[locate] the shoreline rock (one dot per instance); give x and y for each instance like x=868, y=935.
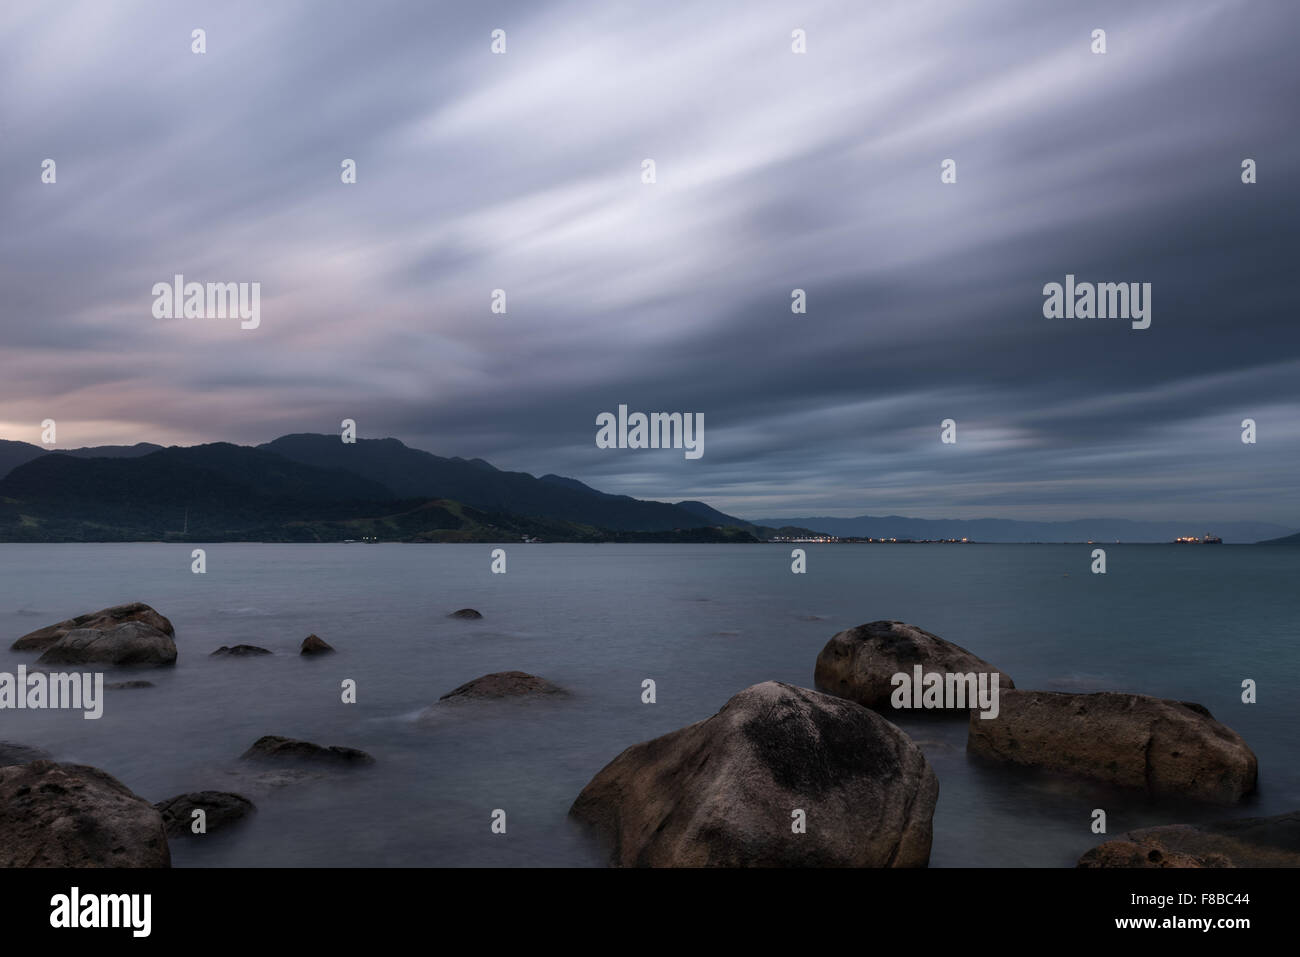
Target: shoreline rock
x=130, y=643
x=275, y=747
x=312, y=645
x=1164, y=747
x=73, y=815
x=221, y=809
x=238, y=651
x=43, y=638
x=1244, y=842
x=725, y=791
x=503, y=684
x=859, y=664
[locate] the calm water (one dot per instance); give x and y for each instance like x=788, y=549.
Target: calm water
x=704, y=621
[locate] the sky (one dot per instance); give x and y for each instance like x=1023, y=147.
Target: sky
x=774, y=171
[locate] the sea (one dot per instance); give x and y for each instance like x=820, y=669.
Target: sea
x=1189, y=622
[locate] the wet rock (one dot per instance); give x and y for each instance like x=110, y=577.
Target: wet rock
x=43, y=638
x=465, y=613
x=1245, y=842
x=274, y=747
x=130, y=643
x=725, y=791
x=860, y=663
x=312, y=645
x=220, y=808
x=238, y=651
x=503, y=684
x=71, y=815
x=1171, y=748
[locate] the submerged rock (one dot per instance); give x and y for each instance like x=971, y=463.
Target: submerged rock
x=12, y=753
x=1164, y=747
x=220, y=808
x=71, y=815
x=274, y=747
x=860, y=663
x=503, y=684
x=731, y=790
x=465, y=613
x=312, y=645
x=238, y=651
x=130, y=643
x=43, y=638
x=130, y=684
x=1245, y=842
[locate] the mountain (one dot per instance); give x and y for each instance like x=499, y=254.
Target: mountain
x=1011, y=530
x=1284, y=540
x=225, y=492
x=14, y=454
x=411, y=473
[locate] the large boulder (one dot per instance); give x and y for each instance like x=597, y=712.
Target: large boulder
x=860, y=663
x=504, y=684
x=71, y=815
x=42, y=638
x=1164, y=747
x=725, y=791
x=1246, y=842
x=273, y=747
x=130, y=643
x=220, y=808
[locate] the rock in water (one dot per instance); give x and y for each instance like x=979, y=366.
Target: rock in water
x=42, y=638
x=860, y=663
x=238, y=651
x=129, y=684
x=311, y=645
x=503, y=684
x=273, y=746
x=1164, y=747
x=11, y=753
x=130, y=643
x=70, y=815
x=465, y=613
x=220, y=809
x=1246, y=842
x=723, y=792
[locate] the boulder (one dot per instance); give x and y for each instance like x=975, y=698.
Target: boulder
x=11, y=753
x=238, y=651
x=312, y=645
x=1170, y=748
x=130, y=643
x=71, y=815
x=43, y=638
x=503, y=684
x=860, y=663
x=725, y=791
x=274, y=747
x=465, y=613
x=1245, y=842
x=221, y=808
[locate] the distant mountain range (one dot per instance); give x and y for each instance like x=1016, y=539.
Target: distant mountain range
x=307, y=487
x=317, y=488
x=1011, y=530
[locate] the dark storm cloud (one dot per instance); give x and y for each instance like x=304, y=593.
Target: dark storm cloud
x=776, y=171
